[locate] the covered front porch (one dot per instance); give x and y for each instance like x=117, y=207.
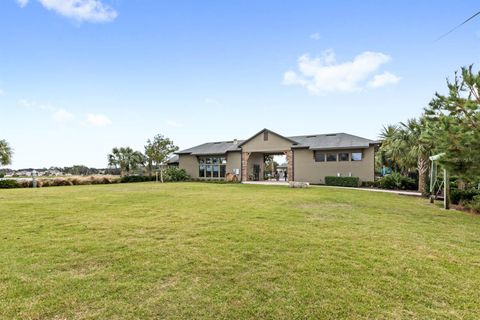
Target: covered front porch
x=260, y=166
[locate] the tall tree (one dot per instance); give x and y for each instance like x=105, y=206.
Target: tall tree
x=5, y=153
x=455, y=124
x=157, y=151
x=126, y=159
x=418, y=148
x=388, y=154
x=406, y=148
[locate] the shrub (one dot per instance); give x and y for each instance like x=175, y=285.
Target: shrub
x=98, y=179
x=128, y=179
x=47, y=182
x=396, y=181
x=8, y=184
x=58, y=182
x=368, y=184
x=458, y=196
x=342, y=181
x=25, y=183
x=474, y=204
x=75, y=181
x=174, y=174
x=105, y=180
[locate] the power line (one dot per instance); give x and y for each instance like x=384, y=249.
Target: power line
x=461, y=24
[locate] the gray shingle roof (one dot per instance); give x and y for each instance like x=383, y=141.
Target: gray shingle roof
x=331, y=141
x=212, y=148
x=174, y=159
x=314, y=142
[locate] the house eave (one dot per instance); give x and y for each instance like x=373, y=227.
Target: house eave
x=341, y=148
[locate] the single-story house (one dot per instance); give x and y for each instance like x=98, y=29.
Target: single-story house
x=310, y=158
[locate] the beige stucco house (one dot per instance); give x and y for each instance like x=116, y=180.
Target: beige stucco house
x=309, y=158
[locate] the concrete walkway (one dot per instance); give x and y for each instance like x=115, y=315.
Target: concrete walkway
x=283, y=183
x=401, y=192
x=267, y=183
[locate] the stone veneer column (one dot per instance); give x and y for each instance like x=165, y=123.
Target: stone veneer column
x=245, y=156
x=289, y=154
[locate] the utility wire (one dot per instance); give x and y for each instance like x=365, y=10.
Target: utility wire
x=461, y=24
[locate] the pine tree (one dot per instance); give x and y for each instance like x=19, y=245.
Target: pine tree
x=455, y=124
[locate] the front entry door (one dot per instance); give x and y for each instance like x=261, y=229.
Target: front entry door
x=256, y=172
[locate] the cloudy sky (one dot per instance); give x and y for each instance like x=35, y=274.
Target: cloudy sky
x=78, y=77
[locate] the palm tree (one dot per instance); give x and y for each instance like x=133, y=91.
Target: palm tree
x=5, y=153
x=406, y=148
x=389, y=153
x=125, y=158
x=418, y=148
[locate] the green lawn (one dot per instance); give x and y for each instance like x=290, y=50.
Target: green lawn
x=192, y=250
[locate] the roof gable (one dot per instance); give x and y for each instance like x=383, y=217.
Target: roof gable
x=269, y=131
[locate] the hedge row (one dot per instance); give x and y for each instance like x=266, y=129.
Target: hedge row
x=169, y=175
x=458, y=196
x=8, y=184
x=56, y=182
x=342, y=181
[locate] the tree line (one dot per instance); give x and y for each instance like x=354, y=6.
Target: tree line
x=122, y=160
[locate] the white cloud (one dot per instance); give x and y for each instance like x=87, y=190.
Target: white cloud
x=315, y=36
x=62, y=115
x=380, y=80
x=2, y=92
x=79, y=10
x=34, y=105
x=98, y=120
x=323, y=74
x=212, y=102
x=22, y=3
x=58, y=115
x=174, y=124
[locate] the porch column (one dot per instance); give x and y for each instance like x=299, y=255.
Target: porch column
x=289, y=155
x=245, y=156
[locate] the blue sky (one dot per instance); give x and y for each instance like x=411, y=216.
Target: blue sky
x=78, y=77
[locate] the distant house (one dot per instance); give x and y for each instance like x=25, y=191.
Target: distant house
x=310, y=158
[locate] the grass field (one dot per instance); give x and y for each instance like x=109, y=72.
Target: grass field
x=192, y=250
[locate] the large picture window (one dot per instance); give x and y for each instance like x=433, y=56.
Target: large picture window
x=356, y=156
x=319, y=156
x=212, y=167
x=331, y=157
x=343, y=156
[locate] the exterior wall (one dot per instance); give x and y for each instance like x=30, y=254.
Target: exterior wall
x=273, y=144
x=234, y=161
x=190, y=164
x=307, y=170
